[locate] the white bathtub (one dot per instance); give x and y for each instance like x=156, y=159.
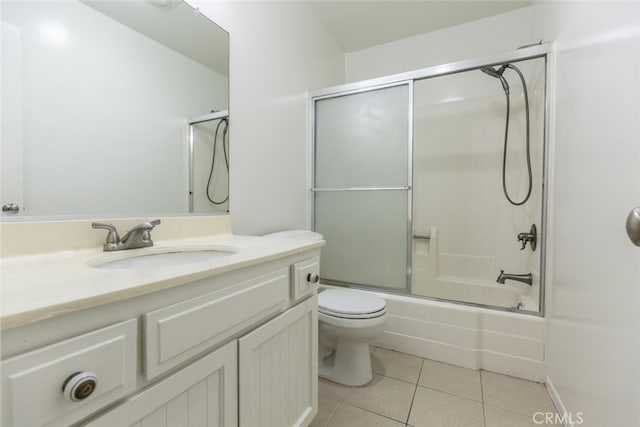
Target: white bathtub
x=474, y=291
x=472, y=337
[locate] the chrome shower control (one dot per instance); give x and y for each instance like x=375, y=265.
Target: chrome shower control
x=531, y=237
x=313, y=278
x=79, y=386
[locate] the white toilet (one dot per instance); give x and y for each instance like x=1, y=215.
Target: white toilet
x=347, y=321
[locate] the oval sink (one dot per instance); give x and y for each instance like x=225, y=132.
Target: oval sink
x=164, y=259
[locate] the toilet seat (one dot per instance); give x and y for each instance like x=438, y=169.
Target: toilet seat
x=347, y=304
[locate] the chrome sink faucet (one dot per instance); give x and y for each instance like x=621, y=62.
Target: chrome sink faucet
x=138, y=237
x=524, y=278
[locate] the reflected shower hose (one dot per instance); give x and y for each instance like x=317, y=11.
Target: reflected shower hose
x=505, y=85
x=213, y=158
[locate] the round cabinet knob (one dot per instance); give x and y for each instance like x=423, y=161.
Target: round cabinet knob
x=313, y=278
x=11, y=208
x=80, y=385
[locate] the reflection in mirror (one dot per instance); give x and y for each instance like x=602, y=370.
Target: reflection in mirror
x=209, y=157
x=96, y=102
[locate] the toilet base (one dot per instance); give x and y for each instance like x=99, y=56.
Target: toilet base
x=348, y=364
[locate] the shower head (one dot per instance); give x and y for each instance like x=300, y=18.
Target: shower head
x=494, y=72
x=497, y=73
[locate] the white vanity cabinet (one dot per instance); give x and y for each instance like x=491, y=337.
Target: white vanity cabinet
x=237, y=349
x=279, y=370
x=201, y=395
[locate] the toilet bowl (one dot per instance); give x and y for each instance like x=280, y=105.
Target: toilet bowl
x=347, y=321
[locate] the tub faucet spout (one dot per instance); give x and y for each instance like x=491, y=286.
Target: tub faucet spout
x=524, y=278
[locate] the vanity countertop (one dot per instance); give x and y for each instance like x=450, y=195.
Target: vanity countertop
x=37, y=287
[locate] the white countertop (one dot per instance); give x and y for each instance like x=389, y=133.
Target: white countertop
x=37, y=287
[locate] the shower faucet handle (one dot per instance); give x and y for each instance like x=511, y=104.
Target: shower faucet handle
x=531, y=237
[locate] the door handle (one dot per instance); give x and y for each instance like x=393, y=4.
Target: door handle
x=11, y=208
x=633, y=226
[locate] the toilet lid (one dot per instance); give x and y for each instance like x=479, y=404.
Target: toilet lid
x=344, y=302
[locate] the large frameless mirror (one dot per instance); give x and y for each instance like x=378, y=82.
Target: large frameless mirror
x=97, y=102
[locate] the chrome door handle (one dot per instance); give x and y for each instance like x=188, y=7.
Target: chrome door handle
x=633, y=226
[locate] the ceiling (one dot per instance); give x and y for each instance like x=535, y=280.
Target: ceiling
x=165, y=21
x=359, y=24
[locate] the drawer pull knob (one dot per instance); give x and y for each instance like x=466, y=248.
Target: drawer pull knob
x=313, y=278
x=80, y=385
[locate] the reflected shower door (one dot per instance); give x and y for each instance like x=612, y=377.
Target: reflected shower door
x=362, y=186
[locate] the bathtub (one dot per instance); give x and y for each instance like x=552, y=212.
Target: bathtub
x=475, y=291
x=471, y=337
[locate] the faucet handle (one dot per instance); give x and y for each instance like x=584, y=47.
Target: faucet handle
x=146, y=235
x=113, y=236
x=522, y=238
x=531, y=237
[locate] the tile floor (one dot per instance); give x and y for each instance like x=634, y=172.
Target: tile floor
x=411, y=391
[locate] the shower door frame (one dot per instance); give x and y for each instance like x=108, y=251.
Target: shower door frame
x=545, y=51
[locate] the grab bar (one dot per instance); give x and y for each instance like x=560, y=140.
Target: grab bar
x=420, y=237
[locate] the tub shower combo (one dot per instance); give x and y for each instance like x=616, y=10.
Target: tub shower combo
x=432, y=183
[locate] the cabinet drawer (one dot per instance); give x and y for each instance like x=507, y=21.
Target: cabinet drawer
x=32, y=383
x=176, y=333
x=305, y=277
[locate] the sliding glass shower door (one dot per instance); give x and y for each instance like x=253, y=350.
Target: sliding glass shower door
x=362, y=185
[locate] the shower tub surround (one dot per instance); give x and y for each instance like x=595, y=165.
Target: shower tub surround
x=467, y=279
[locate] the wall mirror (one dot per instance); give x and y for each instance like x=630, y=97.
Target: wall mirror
x=99, y=100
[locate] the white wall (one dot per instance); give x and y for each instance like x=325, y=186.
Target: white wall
x=593, y=308
x=278, y=52
x=493, y=35
x=104, y=112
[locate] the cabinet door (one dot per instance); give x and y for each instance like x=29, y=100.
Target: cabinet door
x=279, y=370
x=204, y=394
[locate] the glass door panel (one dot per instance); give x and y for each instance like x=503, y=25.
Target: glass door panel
x=366, y=234
x=361, y=139
x=362, y=183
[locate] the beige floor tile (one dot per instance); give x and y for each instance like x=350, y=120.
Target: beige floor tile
x=333, y=390
x=350, y=416
x=385, y=396
x=432, y=408
x=515, y=394
x=451, y=379
x=326, y=407
x=397, y=365
x=496, y=417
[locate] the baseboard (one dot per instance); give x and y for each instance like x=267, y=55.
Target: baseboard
x=557, y=402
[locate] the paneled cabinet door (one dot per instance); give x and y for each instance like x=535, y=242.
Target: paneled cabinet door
x=204, y=394
x=279, y=370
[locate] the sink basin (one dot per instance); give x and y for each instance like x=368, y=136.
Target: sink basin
x=164, y=258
